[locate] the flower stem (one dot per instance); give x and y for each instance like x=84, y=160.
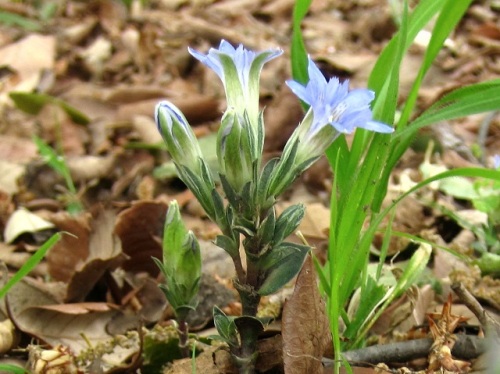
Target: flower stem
x=183, y=331
x=245, y=356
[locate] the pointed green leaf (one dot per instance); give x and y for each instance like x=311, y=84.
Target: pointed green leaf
x=33, y=103
x=282, y=264
x=225, y=327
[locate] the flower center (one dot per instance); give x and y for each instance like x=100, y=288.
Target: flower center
x=337, y=112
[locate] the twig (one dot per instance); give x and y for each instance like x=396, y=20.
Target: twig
x=489, y=325
x=466, y=347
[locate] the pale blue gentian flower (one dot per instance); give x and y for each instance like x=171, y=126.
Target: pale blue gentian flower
x=241, y=135
x=239, y=69
x=333, y=104
x=333, y=110
x=496, y=162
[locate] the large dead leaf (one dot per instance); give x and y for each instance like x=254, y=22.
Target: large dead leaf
x=83, y=261
x=304, y=325
x=36, y=313
x=140, y=229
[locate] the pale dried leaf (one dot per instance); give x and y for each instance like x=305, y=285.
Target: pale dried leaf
x=28, y=65
x=18, y=150
x=304, y=325
x=23, y=221
x=9, y=175
x=85, y=168
x=8, y=336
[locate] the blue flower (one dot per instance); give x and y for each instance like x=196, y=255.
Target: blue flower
x=496, y=161
x=332, y=103
x=239, y=69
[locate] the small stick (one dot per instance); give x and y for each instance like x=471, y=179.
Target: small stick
x=487, y=322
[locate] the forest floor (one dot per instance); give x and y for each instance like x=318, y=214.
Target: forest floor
x=93, y=71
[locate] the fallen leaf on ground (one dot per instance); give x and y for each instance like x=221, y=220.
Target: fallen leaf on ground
x=304, y=325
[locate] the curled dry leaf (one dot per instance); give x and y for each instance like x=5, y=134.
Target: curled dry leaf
x=304, y=325
x=140, y=229
x=82, y=261
x=37, y=314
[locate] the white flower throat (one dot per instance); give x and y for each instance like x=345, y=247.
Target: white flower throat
x=337, y=112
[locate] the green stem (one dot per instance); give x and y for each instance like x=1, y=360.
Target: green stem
x=183, y=331
x=245, y=356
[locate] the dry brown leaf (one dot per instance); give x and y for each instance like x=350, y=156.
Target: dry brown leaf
x=37, y=314
x=83, y=261
x=23, y=221
x=304, y=325
x=196, y=108
x=71, y=249
x=140, y=229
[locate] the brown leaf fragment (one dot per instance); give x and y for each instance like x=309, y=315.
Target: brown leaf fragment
x=304, y=325
x=140, y=229
x=82, y=261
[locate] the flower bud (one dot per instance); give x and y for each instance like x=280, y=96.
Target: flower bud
x=181, y=261
x=178, y=135
x=236, y=149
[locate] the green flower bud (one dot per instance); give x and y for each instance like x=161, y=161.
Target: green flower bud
x=181, y=261
x=236, y=149
x=178, y=135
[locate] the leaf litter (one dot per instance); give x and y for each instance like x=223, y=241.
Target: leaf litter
x=112, y=65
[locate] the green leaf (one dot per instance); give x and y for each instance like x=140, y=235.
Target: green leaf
x=368, y=299
x=227, y=244
x=282, y=263
x=11, y=19
x=298, y=50
x=489, y=263
x=33, y=103
x=465, y=101
x=266, y=230
x=288, y=221
x=225, y=327
x=12, y=369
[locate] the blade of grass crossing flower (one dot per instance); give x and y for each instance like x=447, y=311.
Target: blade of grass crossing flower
x=384, y=109
x=298, y=50
x=451, y=13
x=333, y=302
x=386, y=95
x=30, y=264
x=420, y=16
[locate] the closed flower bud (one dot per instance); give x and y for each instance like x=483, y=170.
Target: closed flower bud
x=178, y=135
x=181, y=261
x=236, y=149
